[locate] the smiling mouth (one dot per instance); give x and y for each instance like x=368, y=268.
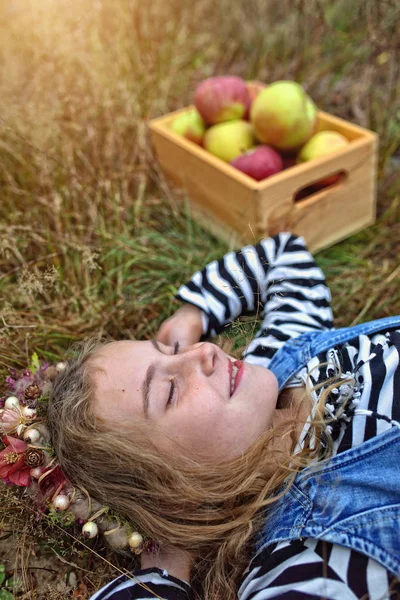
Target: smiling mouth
x=235, y=367
x=233, y=377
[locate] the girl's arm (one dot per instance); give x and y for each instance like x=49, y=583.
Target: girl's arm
x=277, y=279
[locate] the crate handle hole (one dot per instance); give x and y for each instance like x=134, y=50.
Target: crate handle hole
x=310, y=190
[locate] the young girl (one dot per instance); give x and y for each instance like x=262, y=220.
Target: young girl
x=274, y=476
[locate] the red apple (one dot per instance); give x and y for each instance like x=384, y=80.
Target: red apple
x=254, y=88
x=322, y=143
x=230, y=139
x=283, y=115
x=220, y=99
x=259, y=162
x=190, y=125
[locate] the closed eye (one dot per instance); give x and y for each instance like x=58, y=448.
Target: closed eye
x=173, y=385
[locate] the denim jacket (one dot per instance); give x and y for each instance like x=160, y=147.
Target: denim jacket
x=352, y=499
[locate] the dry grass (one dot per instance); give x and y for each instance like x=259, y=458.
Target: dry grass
x=87, y=222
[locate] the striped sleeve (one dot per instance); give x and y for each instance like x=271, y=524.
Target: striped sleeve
x=315, y=569
x=277, y=280
x=143, y=585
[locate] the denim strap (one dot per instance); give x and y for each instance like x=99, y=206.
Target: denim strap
x=352, y=499
x=298, y=351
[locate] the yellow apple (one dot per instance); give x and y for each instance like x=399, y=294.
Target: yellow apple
x=230, y=139
x=321, y=144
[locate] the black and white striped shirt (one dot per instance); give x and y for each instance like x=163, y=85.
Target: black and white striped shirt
x=279, y=281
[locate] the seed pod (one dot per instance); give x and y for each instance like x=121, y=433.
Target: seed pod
x=28, y=413
x=34, y=457
x=31, y=436
x=32, y=392
x=135, y=540
x=44, y=433
x=12, y=402
x=82, y=508
x=90, y=530
x=36, y=472
x=117, y=538
x=61, y=502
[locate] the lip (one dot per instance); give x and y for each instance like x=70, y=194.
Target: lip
x=240, y=366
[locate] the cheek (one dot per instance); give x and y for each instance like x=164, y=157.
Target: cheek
x=203, y=414
x=265, y=382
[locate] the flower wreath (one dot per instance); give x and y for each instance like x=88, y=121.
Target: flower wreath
x=29, y=461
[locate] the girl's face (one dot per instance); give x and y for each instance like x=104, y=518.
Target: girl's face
x=213, y=406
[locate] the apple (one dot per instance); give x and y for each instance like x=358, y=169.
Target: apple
x=190, y=125
x=259, y=162
x=283, y=115
x=220, y=99
x=254, y=88
x=230, y=139
x=322, y=143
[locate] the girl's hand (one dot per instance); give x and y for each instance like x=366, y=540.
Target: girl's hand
x=184, y=326
x=177, y=562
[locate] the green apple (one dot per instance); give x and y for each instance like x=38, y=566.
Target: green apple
x=190, y=125
x=322, y=143
x=229, y=139
x=283, y=115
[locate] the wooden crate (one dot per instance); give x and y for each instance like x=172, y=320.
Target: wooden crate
x=241, y=210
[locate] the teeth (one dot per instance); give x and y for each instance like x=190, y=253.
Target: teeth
x=233, y=377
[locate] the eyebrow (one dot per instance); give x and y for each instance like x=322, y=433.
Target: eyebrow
x=146, y=386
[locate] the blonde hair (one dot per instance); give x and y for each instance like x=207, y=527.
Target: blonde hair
x=210, y=510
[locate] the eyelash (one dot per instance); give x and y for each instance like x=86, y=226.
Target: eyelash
x=172, y=390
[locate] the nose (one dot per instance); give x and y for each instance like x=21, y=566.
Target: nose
x=203, y=354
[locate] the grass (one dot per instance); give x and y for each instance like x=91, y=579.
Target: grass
x=91, y=235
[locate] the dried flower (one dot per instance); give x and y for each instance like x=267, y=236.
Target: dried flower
x=34, y=457
x=151, y=547
x=9, y=420
x=22, y=381
x=14, y=420
x=53, y=481
x=12, y=463
x=11, y=383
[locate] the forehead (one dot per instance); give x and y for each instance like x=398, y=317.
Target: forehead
x=122, y=359
x=118, y=349
x=119, y=371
